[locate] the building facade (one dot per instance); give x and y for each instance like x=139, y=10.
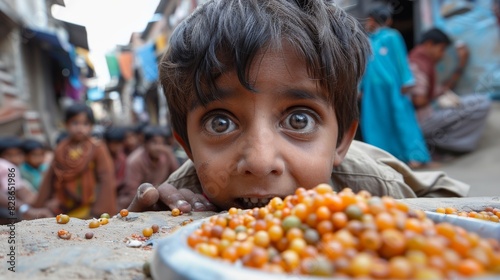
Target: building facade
x=39, y=71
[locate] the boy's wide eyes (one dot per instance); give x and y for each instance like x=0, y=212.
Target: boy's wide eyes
x=300, y=121
x=296, y=121
x=219, y=124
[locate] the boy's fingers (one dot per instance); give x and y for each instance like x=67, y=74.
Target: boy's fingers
x=145, y=198
x=198, y=202
x=173, y=198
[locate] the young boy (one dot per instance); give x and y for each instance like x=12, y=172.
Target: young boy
x=151, y=163
x=114, y=137
x=262, y=96
x=80, y=180
x=33, y=167
x=133, y=139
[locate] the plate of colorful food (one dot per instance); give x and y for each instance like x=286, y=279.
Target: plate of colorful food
x=320, y=233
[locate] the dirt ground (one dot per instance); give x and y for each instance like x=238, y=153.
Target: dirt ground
x=41, y=254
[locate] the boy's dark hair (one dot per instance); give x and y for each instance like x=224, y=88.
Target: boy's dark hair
x=115, y=133
x=152, y=131
x=10, y=142
x=30, y=145
x=225, y=35
x=380, y=13
x=79, y=108
x=435, y=36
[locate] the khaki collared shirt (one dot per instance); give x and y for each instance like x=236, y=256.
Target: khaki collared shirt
x=365, y=167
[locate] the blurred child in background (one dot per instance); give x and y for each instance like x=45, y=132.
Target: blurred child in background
x=114, y=137
x=34, y=165
x=133, y=139
x=12, y=185
x=153, y=162
x=80, y=180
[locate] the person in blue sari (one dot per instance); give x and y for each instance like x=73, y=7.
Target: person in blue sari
x=388, y=118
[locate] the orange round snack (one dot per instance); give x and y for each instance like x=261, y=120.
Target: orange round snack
x=323, y=233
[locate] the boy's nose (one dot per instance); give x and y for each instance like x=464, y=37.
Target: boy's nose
x=260, y=154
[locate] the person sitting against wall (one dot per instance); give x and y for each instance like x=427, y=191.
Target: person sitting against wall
x=449, y=123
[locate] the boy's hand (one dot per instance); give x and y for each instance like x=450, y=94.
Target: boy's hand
x=166, y=196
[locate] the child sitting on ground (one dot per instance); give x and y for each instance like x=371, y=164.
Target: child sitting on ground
x=153, y=162
x=33, y=167
x=262, y=96
x=15, y=197
x=115, y=137
x=80, y=180
x=133, y=139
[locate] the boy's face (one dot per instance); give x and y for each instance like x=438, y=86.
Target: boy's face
x=249, y=147
x=114, y=147
x=36, y=157
x=79, y=127
x=154, y=146
x=131, y=140
x=13, y=155
x=437, y=51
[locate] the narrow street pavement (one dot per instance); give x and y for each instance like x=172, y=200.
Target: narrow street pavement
x=481, y=168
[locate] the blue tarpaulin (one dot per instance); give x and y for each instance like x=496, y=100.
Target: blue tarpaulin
x=146, y=58
x=59, y=49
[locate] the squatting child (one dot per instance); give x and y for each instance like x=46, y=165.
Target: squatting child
x=262, y=96
x=80, y=180
x=153, y=162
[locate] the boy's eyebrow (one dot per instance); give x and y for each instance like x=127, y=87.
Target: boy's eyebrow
x=216, y=95
x=298, y=94
x=295, y=94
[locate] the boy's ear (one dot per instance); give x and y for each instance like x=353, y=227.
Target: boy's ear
x=344, y=144
x=183, y=144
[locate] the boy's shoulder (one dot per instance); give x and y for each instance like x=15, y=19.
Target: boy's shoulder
x=185, y=177
x=367, y=167
x=362, y=158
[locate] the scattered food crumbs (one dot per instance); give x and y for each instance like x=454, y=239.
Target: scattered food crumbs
x=176, y=212
x=64, y=234
x=124, y=212
x=186, y=222
x=147, y=232
x=94, y=223
x=62, y=219
x=155, y=228
x=105, y=215
x=134, y=243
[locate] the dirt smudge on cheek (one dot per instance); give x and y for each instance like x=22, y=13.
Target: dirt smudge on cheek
x=214, y=183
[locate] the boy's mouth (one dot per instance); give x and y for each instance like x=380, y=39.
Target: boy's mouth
x=252, y=202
